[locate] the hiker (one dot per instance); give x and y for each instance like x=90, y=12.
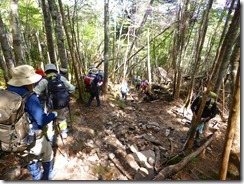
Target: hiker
x=144, y=85
x=95, y=86
x=43, y=86
x=137, y=82
x=23, y=80
x=124, y=90
x=209, y=112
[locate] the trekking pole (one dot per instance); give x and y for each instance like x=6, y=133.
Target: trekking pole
x=57, y=129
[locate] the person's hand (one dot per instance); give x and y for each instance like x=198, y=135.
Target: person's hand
x=99, y=84
x=55, y=113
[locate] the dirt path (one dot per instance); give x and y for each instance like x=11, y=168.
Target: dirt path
x=119, y=128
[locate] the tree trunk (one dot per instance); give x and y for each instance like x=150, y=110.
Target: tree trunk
x=148, y=62
x=5, y=46
x=59, y=33
x=183, y=29
x=226, y=57
x=4, y=68
x=210, y=85
x=234, y=120
x=138, y=31
x=200, y=41
x=48, y=29
x=71, y=51
x=17, y=40
x=172, y=169
x=106, y=43
x=39, y=46
x=233, y=124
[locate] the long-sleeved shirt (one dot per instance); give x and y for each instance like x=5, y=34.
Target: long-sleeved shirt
x=41, y=87
x=37, y=116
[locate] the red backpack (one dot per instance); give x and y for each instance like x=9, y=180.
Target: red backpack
x=88, y=81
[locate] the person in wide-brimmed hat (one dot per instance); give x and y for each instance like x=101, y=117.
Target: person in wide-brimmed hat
x=23, y=80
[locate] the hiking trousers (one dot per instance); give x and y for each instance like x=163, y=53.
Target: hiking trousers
x=92, y=96
x=61, y=121
x=42, y=150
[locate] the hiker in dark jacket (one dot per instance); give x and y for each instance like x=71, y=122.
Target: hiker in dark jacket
x=209, y=112
x=42, y=87
x=23, y=80
x=95, y=87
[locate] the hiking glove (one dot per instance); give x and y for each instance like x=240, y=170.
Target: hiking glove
x=99, y=84
x=55, y=113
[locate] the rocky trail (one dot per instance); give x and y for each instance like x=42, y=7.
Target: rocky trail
x=132, y=140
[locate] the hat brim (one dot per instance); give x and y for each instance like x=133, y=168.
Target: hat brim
x=24, y=81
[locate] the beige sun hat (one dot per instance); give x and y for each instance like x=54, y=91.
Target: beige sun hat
x=23, y=75
x=50, y=67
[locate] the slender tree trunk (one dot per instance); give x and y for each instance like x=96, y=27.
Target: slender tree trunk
x=5, y=46
x=39, y=46
x=62, y=55
x=226, y=57
x=4, y=68
x=200, y=41
x=235, y=64
x=233, y=121
x=225, y=28
x=149, y=61
x=71, y=51
x=48, y=29
x=17, y=40
x=106, y=43
x=139, y=30
x=183, y=28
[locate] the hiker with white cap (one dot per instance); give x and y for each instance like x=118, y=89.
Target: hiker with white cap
x=23, y=80
x=43, y=86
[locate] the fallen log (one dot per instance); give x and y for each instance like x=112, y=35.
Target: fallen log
x=172, y=169
x=119, y=166
x=157, y=159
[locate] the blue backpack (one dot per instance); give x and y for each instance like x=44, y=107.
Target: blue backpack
x=58, y=95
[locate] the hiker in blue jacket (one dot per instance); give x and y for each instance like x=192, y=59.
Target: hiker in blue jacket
x=23, y=80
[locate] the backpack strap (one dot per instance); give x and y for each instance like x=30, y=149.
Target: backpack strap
x=27, y=95
x=58, y=76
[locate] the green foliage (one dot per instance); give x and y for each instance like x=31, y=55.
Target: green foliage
x=30, y=14
x=34, y=53
x=104, y=172
x=195, y=160
x=120, y=103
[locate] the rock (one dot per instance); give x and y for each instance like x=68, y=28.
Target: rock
x=134, y=148
x=142, y=157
